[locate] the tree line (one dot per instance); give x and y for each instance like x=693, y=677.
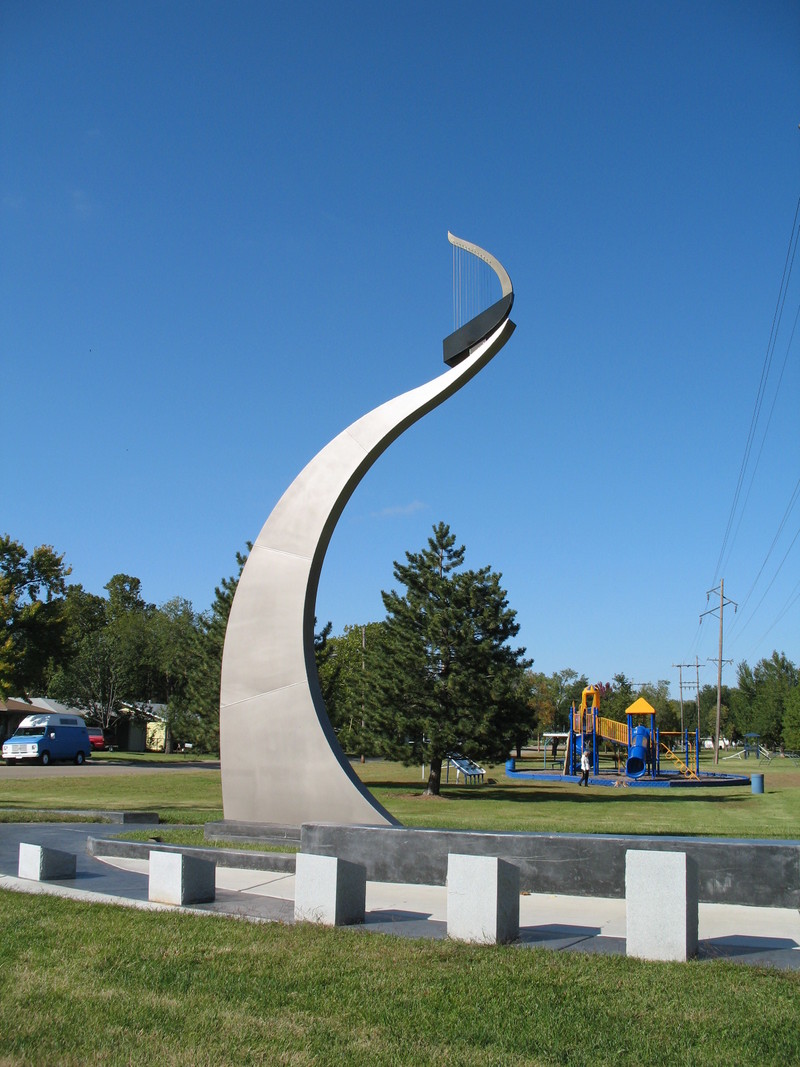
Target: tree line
x=115, y=656
x=438, y=674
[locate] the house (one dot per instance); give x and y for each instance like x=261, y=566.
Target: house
x=134, y=728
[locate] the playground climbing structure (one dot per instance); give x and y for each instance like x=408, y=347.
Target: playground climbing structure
x=638, y=738
x=638, y=747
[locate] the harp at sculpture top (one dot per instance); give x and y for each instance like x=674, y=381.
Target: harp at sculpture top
x=458, y=345
x=281, y=760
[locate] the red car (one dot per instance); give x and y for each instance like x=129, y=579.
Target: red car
x=96, y=738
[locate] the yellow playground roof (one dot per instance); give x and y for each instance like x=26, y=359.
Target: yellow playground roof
x=640, y=707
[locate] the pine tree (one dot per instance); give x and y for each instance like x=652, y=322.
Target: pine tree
x=201, y=715
x=441, y=675
x=196, y=714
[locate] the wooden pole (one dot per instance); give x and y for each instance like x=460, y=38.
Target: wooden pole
x=719, y=669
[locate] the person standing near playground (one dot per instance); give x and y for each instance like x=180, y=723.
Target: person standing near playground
x=584, y=768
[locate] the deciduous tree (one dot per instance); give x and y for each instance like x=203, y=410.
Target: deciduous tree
x=763, y=691
x=791, y=721
x=113, y=663
x=84, y=677
x=32, y=625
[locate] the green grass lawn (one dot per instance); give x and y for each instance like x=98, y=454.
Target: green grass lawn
x=185, y=796
x=195, y=796
x=194, y=836
x=83, y=983
x=532, y=805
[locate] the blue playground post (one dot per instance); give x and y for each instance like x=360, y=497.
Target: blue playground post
x=655, y=752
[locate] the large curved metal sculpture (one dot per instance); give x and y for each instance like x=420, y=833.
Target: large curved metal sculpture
x=281, y=762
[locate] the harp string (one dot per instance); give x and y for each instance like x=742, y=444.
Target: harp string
x=475, y=286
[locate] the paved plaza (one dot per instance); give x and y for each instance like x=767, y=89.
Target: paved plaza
x=763, y=936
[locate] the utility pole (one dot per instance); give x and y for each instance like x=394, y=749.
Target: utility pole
x=363, y=693
x=711, y=611
x=680, y=667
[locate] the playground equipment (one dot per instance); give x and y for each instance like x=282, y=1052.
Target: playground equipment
x=473, y=773
x=639, y=755
x=638, y=747
x=638, y=737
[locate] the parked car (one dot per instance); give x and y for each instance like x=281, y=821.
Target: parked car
x=97, y=738
x=49, y=737
x=708, y=742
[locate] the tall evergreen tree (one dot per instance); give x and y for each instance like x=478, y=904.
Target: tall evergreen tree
x=196, y=714
x=341, y=664
x=200, y=719
x=441, y=674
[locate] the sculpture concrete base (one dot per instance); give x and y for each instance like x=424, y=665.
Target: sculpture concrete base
x=329, y=891
x=661, y=904
x=179, y=879
x=41, y=864
x=763, y=874
x=482, y=899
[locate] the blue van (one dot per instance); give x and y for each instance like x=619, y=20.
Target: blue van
x=47, y=737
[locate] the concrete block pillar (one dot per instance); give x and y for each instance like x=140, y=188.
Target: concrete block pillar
x=329, y=890
x=661, y=898
x=42, y=864
x=179, y=879
x=482, y=899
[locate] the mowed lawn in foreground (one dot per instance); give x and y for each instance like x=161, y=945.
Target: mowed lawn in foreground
x=86, y=983
x=195, y=796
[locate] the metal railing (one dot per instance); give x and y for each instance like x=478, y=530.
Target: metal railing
x=611, y=730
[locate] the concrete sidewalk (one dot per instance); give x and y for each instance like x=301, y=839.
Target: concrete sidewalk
x=764, y=936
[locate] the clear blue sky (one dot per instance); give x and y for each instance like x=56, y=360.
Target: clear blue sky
x=224, y=239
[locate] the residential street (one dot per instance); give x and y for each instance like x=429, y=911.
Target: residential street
x=99, y=768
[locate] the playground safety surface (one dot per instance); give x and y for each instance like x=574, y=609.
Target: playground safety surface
x=665, y=779
x=763, y=936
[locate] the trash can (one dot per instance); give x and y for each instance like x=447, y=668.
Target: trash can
x=757, y=783
x=511, y=766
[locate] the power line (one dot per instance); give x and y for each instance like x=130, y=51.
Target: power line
x=772, y=581
x=794, y=596
x=765, y=433
x=776, y=318
x=789, y=507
